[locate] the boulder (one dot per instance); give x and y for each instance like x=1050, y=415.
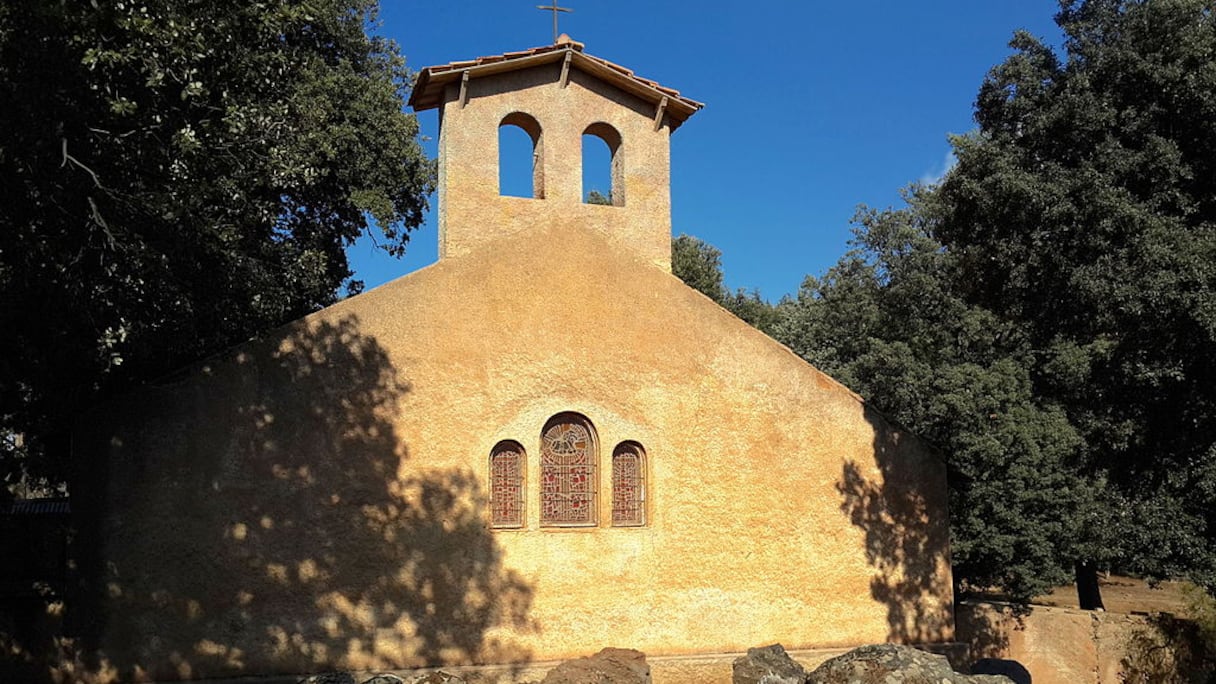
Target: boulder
x=436, y=677
x=609, y=666
x=385, y=678
x=892, y=664
x=767, y=665
x=329, y=678
x=1010, y=668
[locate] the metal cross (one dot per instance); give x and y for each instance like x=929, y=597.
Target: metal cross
x=554, y=9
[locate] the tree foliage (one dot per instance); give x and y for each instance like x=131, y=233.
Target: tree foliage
x=699, y=265
x=1083, y=211
x=178, y=177
x=888, y=322
x=1046, y=316
x=597, y=197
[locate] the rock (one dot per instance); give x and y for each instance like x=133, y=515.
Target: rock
x=1000, y=666
x=388, y=678
x=892, y=664
x=767, y=665
x=609, y=666
x=436, y=677
x=329, y=678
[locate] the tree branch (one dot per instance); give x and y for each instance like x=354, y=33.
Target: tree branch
x=69, y=158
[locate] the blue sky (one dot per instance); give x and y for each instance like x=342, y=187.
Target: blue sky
x=812, y=108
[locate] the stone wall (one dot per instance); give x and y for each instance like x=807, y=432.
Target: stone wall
x=1068, y=646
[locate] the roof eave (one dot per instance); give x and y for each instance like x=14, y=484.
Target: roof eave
x=679, y=108
x=429, y=89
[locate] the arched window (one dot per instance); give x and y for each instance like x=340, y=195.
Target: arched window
x=603, y=166
x=507, y=463
x=520, y=157
x=567, y=472
x=628, y=485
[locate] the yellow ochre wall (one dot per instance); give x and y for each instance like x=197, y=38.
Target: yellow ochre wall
x=471, y=211
x=318, y=500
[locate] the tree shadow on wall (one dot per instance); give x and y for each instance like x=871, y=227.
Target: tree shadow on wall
x=1167, y=650
x=260, y=515
x=904, y=514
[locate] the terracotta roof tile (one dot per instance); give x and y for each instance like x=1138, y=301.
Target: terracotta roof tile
x=491, y=59
x=49, y=506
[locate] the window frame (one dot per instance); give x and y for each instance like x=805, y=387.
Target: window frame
x=521, y=500
x=632, y=449
x=591, y=476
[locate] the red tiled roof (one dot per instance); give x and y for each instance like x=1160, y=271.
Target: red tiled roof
x=50, y=506
x=429, y=87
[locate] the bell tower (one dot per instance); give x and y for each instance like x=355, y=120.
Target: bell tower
x=556, y=94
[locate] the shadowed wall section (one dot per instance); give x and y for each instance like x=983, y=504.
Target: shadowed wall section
x=1050, y=645
x=262, y=515
x=319, y=500
x=900, y=502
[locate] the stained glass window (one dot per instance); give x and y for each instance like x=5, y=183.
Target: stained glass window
x=507, y=485
x=567, y=472
x=628, y=485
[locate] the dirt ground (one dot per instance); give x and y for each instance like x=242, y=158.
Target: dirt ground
x=1127, y=595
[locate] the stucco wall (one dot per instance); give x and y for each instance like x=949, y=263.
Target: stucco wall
x=317, y=500
x=471, y=211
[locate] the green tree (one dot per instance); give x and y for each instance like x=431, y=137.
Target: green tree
x=178, y=177
x=1083, y=212
x=887, y=322
x=699, y=265
x=1047, y=315
x=597, y=197
x=754, y=309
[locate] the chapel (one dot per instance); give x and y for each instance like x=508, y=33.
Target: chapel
x=539, y=446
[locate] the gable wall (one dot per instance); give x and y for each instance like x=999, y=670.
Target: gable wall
x=319, y=500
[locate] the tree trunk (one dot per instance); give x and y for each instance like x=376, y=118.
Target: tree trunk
x=1089, y=594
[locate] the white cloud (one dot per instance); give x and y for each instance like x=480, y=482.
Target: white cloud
x=935, y=175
